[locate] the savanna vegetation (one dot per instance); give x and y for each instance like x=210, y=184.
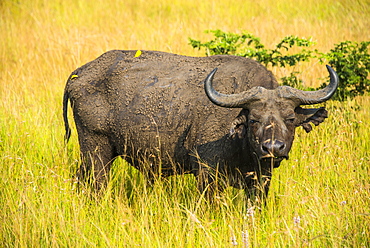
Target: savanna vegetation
x=320, y=197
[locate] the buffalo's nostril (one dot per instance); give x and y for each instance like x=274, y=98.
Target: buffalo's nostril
x=281, y=146
x=266, y=148
x=274, y=148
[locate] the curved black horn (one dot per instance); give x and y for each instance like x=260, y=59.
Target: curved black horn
x=230, y=101
x=301, y=97
x=311, y=97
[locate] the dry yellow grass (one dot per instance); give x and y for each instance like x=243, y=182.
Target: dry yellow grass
x=319, y=198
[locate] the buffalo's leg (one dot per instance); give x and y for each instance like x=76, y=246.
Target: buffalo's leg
x=205, y=183
x=209, y=181
x=97, y=154
x=257, y=185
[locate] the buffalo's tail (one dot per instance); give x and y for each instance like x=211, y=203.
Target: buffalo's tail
x=65, y=116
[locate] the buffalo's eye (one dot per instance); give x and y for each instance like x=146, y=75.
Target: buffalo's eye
x=253, y=121
x=290, y=120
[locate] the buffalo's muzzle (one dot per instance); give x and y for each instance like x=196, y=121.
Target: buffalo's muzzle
x=273, y=149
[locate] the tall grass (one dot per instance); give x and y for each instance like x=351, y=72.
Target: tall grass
x=318, y=198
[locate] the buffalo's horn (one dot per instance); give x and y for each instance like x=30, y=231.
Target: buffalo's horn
x=311, y=97
x=299, y=96
x=233, y=100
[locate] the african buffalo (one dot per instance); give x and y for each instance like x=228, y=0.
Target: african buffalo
x=165, y=115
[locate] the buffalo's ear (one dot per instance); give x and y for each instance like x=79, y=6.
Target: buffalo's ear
x=239, y=125
x=304, y=117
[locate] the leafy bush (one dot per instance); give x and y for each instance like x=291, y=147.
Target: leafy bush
x=350, y=59
x=248, y=45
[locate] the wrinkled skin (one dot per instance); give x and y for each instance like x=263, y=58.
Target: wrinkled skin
x=152, y=110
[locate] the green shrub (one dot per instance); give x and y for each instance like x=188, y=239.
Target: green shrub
x=248, y=45
x=351, y=61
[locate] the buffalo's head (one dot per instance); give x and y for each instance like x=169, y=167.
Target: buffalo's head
x=269, y=117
